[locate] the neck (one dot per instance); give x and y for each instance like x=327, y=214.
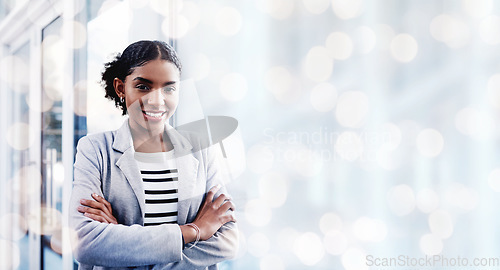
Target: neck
x=150, y=141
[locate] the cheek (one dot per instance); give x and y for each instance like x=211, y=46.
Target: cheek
x=172, y=101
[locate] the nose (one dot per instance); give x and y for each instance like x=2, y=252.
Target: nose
x=156, y=98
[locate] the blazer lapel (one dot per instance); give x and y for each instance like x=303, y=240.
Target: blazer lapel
x=187, y=171
x=187, y=167
x=127, y=164
x=129, y=167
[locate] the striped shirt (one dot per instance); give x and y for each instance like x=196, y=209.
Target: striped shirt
x=159, y=179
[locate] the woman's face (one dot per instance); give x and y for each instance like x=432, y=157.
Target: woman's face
x=151, y=95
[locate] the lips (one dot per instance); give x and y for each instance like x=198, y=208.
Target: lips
x=154, y=115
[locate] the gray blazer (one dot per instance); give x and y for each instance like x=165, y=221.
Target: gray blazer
x=105, y=165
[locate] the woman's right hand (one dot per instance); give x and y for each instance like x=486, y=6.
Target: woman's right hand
x=212, y=215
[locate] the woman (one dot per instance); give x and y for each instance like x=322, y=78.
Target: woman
x=141, y=196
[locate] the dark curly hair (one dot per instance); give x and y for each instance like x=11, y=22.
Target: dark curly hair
x=135, y=55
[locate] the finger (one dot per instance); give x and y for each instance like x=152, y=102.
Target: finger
x=226, y=206
x=93, y=204
x=96, y=218
x=220, y=200
x=103, y=201
x=211, y=193
x=96, y=212
x=227, y=218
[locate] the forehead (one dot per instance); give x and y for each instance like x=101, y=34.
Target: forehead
x=157, y=70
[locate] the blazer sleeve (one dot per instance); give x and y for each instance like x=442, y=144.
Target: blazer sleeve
x=113, y=245
x=223, y=245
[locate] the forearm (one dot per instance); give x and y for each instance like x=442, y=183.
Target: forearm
x=112, y=245
x=222, y=246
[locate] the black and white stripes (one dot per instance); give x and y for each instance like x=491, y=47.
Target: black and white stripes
x=159, y=177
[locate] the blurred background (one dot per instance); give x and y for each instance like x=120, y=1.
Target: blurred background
x=367, y=129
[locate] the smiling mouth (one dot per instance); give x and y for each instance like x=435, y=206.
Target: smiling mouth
x=154, y=114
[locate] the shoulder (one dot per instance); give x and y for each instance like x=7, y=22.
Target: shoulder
x=96, y=140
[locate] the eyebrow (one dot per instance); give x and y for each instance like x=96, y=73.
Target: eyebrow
x=151, y=82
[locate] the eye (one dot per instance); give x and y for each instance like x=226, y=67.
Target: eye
x=142, y=87
x=169, y=89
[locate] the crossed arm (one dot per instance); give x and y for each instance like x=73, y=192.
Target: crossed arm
x=211, y=216
x=102, y=241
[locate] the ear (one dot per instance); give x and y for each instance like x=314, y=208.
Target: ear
x=119, y=87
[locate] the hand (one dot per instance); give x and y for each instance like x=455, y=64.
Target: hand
x=98, y=210
x=213, y=213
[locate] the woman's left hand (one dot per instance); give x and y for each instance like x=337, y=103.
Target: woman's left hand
x=98, y=210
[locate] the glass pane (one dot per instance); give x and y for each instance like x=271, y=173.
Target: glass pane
x=52, y=168
x=18, y=166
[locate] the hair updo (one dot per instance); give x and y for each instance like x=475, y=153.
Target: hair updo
x=135, y=55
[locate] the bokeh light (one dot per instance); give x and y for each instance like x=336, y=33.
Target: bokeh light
x=365, y=39
x=177, y=29
x=450, y=30
x=277, y=9
x=391, y=135
x=347, y=9
x=308, y=247
x=384, y=34
x=47, y=221
x=13, y=227
x=494, y=179
x=370, y=230
x=79, y=96
x=53, y=65
x=401, y=199
x=10, y=255
x=335, y=242
x=137, y=4
x=273, y=188
x=354, y=259
x=258, y=244
x=191, y=11
x=286, y=238
x=228, y=21
x=199, y=66
x=272, y=262
x=441, y=223
x=318, y=64
x=461, y=197
x=258, y=212
x=13, y=71
x=427, y=200
x=79, y=32
x=430, y=142
x=387, y=158
x=20, y=136
x=323, y=97
x=404, y=48
x=281, y=83
x=477, y=124
x=303, y=161
x=494, y=90
x=477, y=9
x=316, y=6
x=352, y=109
x=166, y=8
x=349, y=146
x=431, y=244
x=330, y=222
x=339, y=44
x=233, y=87
x=260, y=158
x=489, y=30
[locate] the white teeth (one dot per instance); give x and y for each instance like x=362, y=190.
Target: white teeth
x=153, y=114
